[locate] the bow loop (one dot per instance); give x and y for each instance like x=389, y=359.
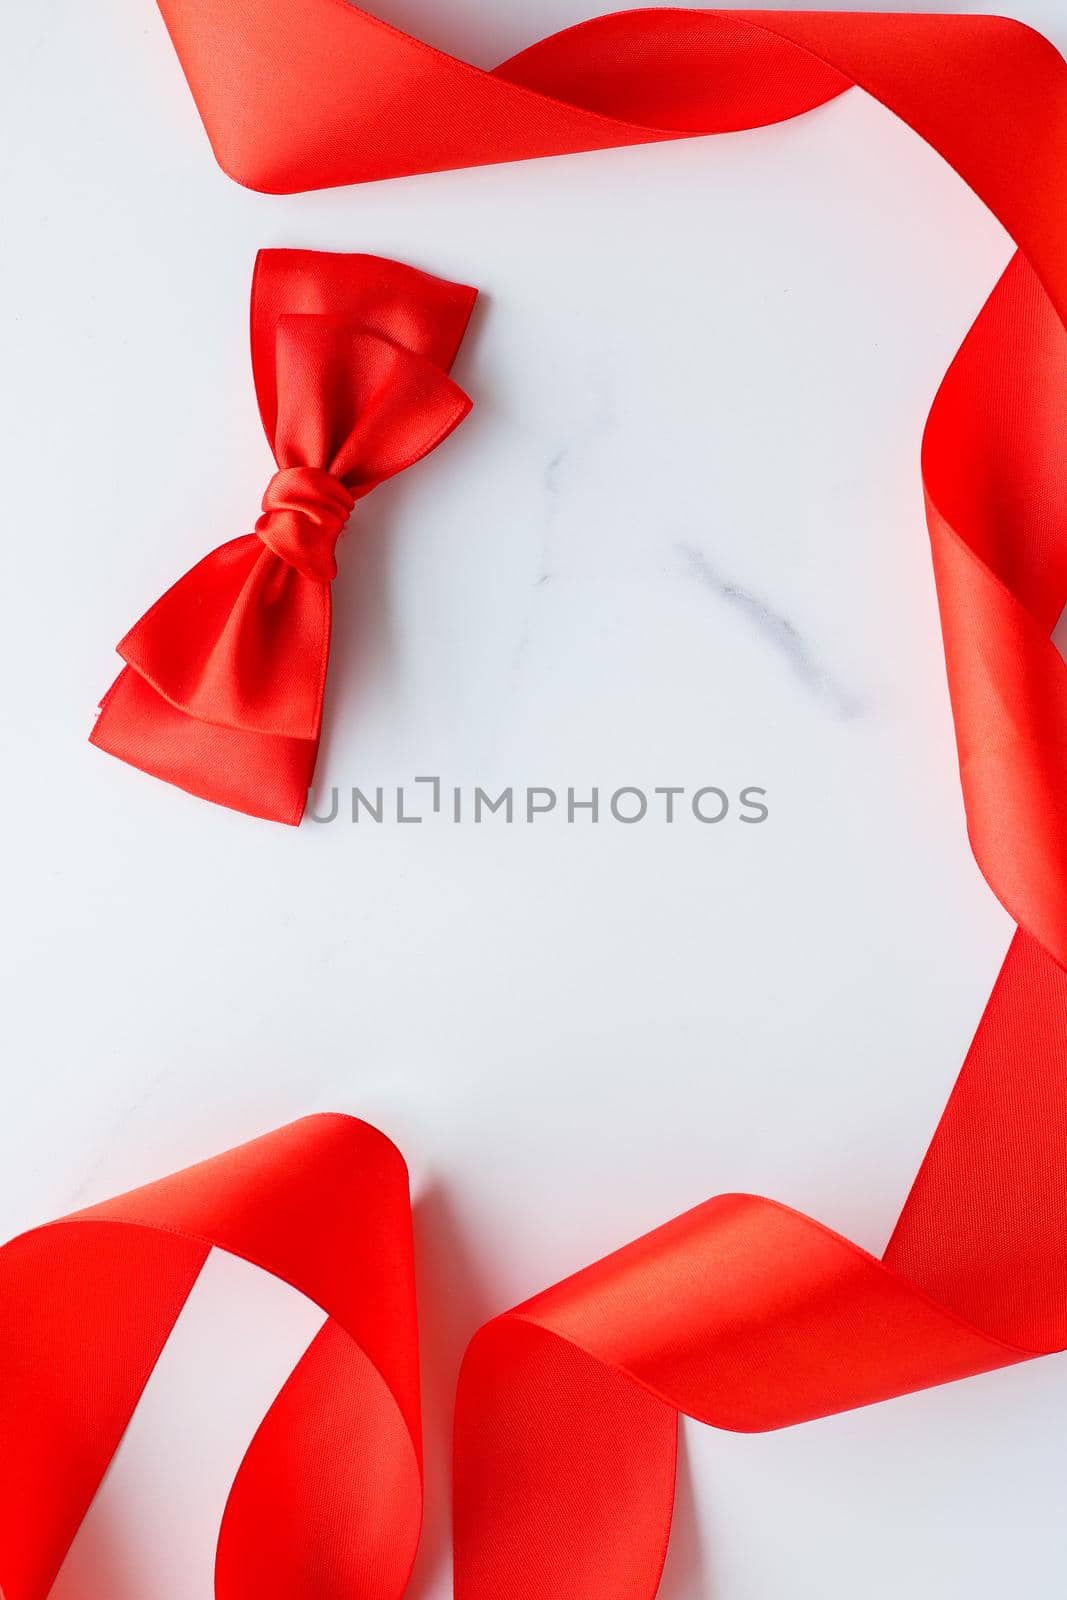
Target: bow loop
x=304, y=514
x=356, y=404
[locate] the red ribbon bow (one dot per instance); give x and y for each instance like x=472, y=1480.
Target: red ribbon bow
x=223, y=688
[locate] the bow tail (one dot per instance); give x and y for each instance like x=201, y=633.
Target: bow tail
x=262, y=774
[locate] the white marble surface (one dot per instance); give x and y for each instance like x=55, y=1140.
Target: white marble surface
x=680, y=541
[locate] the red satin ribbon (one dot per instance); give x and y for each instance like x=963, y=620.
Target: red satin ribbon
x=741, y=1312
x=223, y=687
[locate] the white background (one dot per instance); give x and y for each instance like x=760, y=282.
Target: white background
x=680, y=540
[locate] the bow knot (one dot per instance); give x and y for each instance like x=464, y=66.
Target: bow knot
x=305, y=510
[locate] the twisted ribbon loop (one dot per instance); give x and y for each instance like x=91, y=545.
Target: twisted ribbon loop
x=87, y=1304
x=304, y=514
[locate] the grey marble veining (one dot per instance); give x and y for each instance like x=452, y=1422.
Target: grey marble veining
x=779, y=631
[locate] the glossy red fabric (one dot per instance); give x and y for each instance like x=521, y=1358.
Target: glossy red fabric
x=742, y=1312
x=223, y=687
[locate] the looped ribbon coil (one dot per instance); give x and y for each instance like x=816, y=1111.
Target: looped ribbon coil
x=742, y=1313
x=223, y=688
